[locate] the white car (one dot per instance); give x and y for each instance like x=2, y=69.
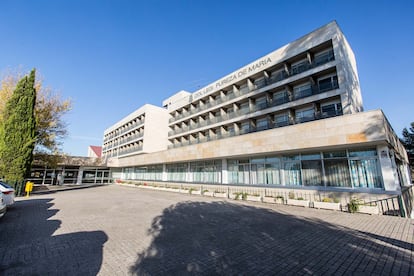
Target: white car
x=8, y=193
x=3, y=206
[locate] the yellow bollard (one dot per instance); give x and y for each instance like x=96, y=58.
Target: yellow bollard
x=28, y=188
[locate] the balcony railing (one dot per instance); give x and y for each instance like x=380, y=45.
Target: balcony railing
x=320, y=60
x=312, y=90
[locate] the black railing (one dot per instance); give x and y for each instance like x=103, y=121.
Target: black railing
x=281, y=75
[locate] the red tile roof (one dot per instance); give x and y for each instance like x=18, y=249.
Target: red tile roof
x=97, y=150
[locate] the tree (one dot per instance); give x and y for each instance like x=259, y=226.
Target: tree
x=18, y=130
x=408, y=141
x=49, y=112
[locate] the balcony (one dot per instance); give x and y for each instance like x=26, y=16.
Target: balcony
x=319, y=60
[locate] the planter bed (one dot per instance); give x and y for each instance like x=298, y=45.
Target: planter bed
x=254, y=198
x=372, y=210
x=297, y=202
x=327, y=205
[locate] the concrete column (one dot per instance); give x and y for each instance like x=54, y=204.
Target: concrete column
x=80, y=175
x=224, y=175
x=164, y=172
x=188, y=175
x=388, y=169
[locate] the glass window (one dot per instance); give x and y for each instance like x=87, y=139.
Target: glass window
x=206, y=172
x=291, y=157
x=261, y=103
x=300, y=67
x=273, y=174
x=176, y=172
x=257, y=161
x=257, y=174
x=280, y=97
x=312, y=173
x=328, y=83
x=245, y=127
x=331, y=109
x=312, y=156
x=365, y=173
x=363, y=153
x=323, y=57
x=337, y=173
x=305, y=115
x=261, y=124
x=281, y=120
x=244, y=174
x=292, y=173
x=302, y=91
x=334, y=154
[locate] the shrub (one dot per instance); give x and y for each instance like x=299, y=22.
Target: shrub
x=353, y=205
x=291, y=195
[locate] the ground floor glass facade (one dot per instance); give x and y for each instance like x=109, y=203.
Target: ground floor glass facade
x=346, y=168
x=356, y=168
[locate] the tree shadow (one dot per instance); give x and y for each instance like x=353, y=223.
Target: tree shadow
x=229, y=239
x=28, y=246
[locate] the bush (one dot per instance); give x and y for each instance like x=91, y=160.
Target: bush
x=353, y=205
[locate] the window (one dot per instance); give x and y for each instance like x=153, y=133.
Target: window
x=281, y=120
x=261, y=124
x=312, y=170
x=305, y=115
x=245, y=127
x=244, y=88
x=230, y=130
x=277, y=75
x=364, y=167
x=302, y=91
x=206, y=172
x=176, y=172
x=244, y=108
x=261, y=103
x=337, y=173
x=331, y=109
x=300, y=67
x=280, y=97
x=291, y=169
x=259, y=83
x=323, y=57
x=328, y=83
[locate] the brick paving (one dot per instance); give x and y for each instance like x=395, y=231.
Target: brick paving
x=115, y=230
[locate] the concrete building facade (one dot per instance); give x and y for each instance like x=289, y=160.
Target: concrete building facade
x=291, y=119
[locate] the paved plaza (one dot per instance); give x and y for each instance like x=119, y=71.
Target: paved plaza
x=116, y=230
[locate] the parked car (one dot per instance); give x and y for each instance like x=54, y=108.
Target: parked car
x=8, y=193
x=3, y=206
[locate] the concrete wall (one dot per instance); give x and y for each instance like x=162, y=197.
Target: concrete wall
x=358, y=129
x=155, y=129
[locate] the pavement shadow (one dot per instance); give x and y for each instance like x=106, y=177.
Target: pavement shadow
x=28, y=246
x=222, y=238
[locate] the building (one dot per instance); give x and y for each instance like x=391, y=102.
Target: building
x=292, y=119
x=62, y=170
x=143, y=131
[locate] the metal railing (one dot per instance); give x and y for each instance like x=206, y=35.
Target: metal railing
x=329, y=56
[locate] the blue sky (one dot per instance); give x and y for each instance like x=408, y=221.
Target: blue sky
x=111, y=57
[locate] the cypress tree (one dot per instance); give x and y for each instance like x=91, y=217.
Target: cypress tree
x=17, y=131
